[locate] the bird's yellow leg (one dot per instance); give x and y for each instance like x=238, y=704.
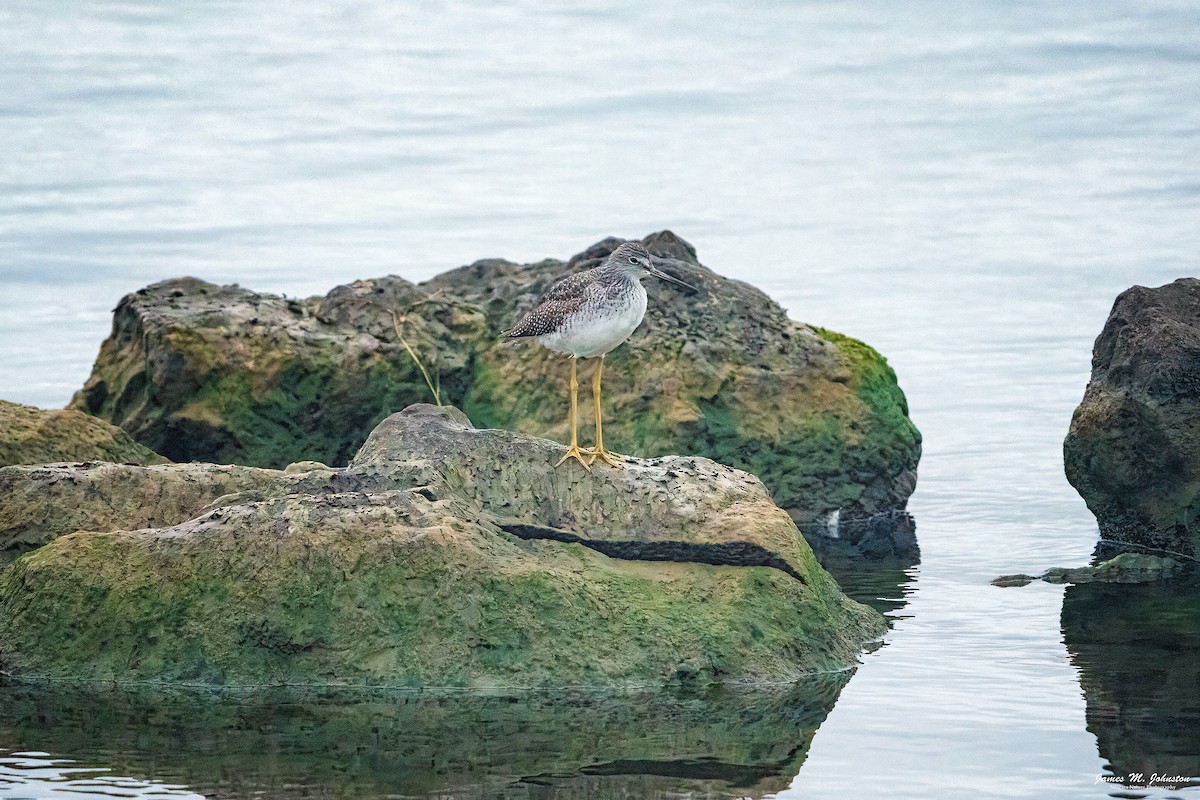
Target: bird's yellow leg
x=598, y=452
x=573, y=451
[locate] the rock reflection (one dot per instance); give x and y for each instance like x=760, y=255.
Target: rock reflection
x=1137, y=649
x=884, y=586
x=721, y=743
x=888, y=537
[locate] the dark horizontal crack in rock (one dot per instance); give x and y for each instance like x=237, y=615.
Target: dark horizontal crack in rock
x=726, y=554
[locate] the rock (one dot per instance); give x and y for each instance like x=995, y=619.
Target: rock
x=722, y=373
x=44, y=502
x=305, y=467
x=204, y=372
x=31, y=435
x=220, y=373
x=1018, y=579
x=1125, y=568
x=442, y=556
x=1133, y=450
x=684, y=501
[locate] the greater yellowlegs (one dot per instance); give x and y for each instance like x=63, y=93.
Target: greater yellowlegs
x=588, y=314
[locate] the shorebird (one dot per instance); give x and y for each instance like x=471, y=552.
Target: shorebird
x=587, y=315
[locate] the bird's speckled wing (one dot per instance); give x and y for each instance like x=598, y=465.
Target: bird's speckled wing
x=561, y=299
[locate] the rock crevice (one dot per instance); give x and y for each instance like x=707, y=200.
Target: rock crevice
x=732, y=554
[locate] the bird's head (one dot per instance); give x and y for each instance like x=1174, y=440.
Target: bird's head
x=635, y=260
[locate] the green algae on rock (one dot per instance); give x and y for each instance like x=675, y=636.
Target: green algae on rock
x=30, y=435
x=398, y=571
x=219, y=373
x=204, y=372
x=818, y=417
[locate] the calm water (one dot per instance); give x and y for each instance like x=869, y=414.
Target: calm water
x=964, y=185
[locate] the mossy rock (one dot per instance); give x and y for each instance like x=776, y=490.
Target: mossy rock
x=30, y=435
x=410, y=568
x=43, y=502
x=220, y=373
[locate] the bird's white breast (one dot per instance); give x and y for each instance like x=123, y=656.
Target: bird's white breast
x=600, y=325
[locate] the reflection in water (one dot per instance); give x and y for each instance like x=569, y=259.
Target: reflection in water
x=1138, y=653
x=889, y=536
x=884, y=586
x=323, y=743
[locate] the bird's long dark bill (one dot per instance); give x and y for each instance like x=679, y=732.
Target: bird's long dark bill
x=658, y=273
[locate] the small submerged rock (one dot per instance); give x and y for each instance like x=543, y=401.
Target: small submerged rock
x=1125, y=568
x=442, y=556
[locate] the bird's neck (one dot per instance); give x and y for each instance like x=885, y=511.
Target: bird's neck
x=618, y=271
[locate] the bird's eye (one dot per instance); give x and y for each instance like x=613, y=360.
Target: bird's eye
x=633, y=260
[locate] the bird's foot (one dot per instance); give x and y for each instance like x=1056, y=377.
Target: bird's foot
x=574, y=452
x=607, y=456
